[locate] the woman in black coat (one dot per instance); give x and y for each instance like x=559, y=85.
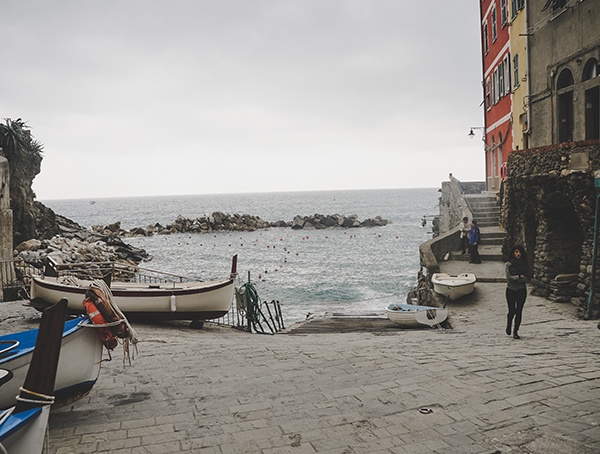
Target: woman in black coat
x=517, y=276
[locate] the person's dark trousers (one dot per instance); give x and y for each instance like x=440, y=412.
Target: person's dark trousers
x=515, y=300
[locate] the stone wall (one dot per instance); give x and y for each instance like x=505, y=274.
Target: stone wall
x=549, y=208
x=453, y=207
x=7, y=274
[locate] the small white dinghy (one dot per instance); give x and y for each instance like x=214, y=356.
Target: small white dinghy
x=453, y=286
x=411, y=315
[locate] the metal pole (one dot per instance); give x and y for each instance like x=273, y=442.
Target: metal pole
x=588, y=314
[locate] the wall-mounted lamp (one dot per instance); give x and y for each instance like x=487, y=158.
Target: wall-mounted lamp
x=472, y=134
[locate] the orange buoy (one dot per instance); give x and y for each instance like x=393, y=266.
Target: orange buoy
x=99, y=299
x=106, y=336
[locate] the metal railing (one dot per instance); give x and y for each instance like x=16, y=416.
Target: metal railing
x=263, y=318
x=15, y=279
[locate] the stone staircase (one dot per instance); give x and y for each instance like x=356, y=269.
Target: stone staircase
x=486, y=212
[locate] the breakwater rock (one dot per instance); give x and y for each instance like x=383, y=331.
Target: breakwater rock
x=78, y=245
x=222, y=222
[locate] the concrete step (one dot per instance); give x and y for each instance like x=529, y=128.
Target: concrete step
x=488, y=253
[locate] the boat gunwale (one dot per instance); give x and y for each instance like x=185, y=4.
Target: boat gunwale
x=28, y=347
x=146, y=292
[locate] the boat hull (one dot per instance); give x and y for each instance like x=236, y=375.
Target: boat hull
x=179, y=301
x=411, y=316
x=25, y=433
x=78, y=364
x=453, y=286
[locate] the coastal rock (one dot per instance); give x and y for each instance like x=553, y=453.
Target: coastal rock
x=219, y=221
x=29, y=245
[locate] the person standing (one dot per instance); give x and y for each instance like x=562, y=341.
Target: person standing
x=465, y=229
x=517, y=275
x=474, y=240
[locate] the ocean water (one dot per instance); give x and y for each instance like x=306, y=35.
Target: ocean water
x=308, y=271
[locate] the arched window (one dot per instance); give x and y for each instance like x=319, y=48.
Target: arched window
x=590, y=70
x=592, y=99
x=564, y=88
x=565, y=79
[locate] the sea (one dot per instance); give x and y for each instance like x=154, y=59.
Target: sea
x=350, y=271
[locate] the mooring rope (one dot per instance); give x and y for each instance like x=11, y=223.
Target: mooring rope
x=132, y=337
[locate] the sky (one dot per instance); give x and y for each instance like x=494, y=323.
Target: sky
x=148, y=97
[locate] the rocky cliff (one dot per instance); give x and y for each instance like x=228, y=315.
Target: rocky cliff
x=31, y=219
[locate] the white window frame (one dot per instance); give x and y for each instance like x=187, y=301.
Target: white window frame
x=503, y=12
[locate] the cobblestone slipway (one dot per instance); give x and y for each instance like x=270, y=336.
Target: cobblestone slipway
x=219, y=390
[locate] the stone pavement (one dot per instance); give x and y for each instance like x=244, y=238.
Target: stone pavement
x=219, y=390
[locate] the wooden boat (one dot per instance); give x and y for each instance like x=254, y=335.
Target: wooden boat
x=23, y=427
x=178, y=299
x=453, y=286
x=78, y=366
x=411, y=315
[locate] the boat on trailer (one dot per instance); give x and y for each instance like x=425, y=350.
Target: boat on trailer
x=23, y=427
x=78, y=365
x=453, y=286
x=142, y=294
x=412, y=315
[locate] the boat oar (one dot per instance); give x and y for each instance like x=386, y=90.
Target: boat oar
x=39, y=382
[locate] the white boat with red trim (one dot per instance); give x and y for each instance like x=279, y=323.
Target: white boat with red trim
x=178, y=299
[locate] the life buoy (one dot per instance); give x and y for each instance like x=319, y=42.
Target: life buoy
x=96, y=295
x=106, y=336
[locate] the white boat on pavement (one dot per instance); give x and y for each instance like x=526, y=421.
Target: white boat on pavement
x=145, y=296
x=453, y=286
x=411, y=315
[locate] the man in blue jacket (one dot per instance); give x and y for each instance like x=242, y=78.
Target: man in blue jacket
x=474, y=240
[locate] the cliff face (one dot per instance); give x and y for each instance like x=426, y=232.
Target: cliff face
x=31, y=219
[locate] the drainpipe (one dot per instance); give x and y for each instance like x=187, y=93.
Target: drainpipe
x=588, y=314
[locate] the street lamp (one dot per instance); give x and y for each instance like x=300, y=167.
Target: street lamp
x=472, y=134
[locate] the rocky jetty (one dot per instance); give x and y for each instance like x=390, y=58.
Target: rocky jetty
x=222, y=222
x=76, y=244
x=319, y=221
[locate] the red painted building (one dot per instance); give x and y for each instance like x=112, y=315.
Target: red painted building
x=497, y=74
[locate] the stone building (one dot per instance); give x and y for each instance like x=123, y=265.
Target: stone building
x=564, y=87
x=549, y=193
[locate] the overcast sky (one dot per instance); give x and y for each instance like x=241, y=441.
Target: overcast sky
x=148, y=97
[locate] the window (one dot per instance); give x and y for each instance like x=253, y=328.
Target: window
x=486, y=39
x=501, y=80
x=592, y=99
x=520, y=4
x=494, y=29
x=488, y=94
x=565, y=109
x=513, y=8
x=503, y=12
x=507, y=73
x=495, y=85
x=555, y=4
x=590, y=70
x=516, y=70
